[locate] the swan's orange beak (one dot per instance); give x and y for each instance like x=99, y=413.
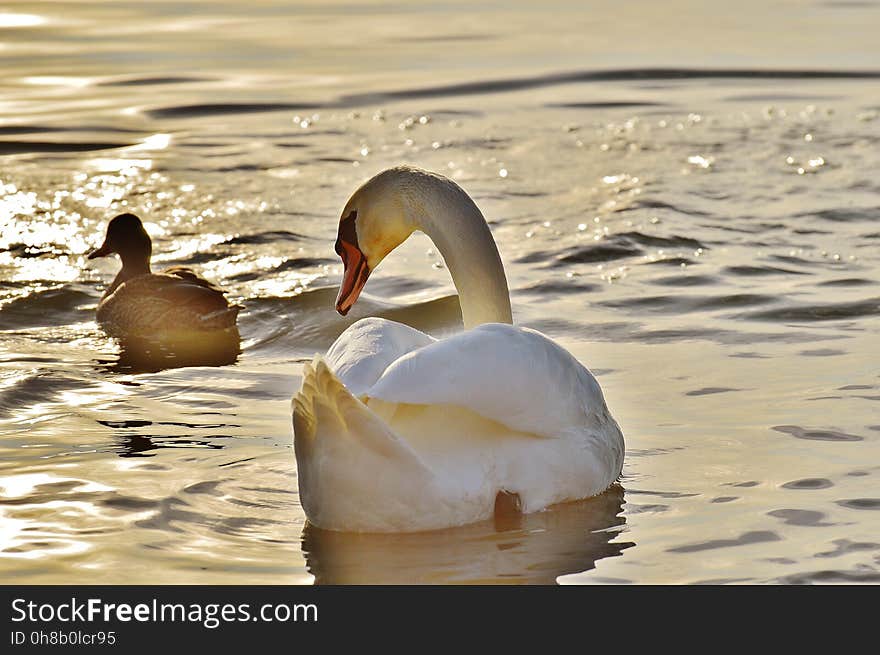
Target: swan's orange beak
x=355, y=276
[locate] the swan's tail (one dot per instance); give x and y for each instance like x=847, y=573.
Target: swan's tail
x=350, y=463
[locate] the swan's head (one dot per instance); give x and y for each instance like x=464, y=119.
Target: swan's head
x=377, y=218
x=126, y=237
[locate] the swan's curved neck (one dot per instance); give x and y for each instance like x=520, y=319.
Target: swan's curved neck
x=457, y=227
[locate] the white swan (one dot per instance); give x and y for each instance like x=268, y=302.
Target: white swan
x=398, y=432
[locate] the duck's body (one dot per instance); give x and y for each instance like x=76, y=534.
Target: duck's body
x=176, y=303
x=398, y=432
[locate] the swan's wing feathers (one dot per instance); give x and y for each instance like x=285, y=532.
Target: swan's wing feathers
x=512, y=375
x=361, y=354
x=353, y=471
x=323, y=400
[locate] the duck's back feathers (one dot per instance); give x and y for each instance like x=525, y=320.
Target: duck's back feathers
x=176, y=301
x=189, y=275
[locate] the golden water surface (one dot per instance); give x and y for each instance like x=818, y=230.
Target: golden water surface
x=685, y=195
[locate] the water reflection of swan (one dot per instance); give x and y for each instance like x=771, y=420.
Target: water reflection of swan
x=516, y=549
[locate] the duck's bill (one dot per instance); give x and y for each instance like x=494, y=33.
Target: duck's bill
x=103, y=251
x=353, y=279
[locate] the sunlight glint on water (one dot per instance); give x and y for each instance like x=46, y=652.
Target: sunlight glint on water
x=697, y=225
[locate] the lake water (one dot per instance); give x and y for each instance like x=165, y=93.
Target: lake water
x=685, y=195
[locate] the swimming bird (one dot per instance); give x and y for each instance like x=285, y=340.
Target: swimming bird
x=395, y=431
x=174, y=304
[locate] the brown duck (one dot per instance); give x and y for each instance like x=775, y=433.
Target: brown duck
x=143, y=304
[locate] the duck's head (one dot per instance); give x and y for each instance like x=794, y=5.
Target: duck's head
x=126, y=237
x=377, y=218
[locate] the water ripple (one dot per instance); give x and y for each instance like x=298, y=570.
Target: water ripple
x=745, y=539
x=812, y=434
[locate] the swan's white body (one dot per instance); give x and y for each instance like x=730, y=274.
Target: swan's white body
x=398, y=432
